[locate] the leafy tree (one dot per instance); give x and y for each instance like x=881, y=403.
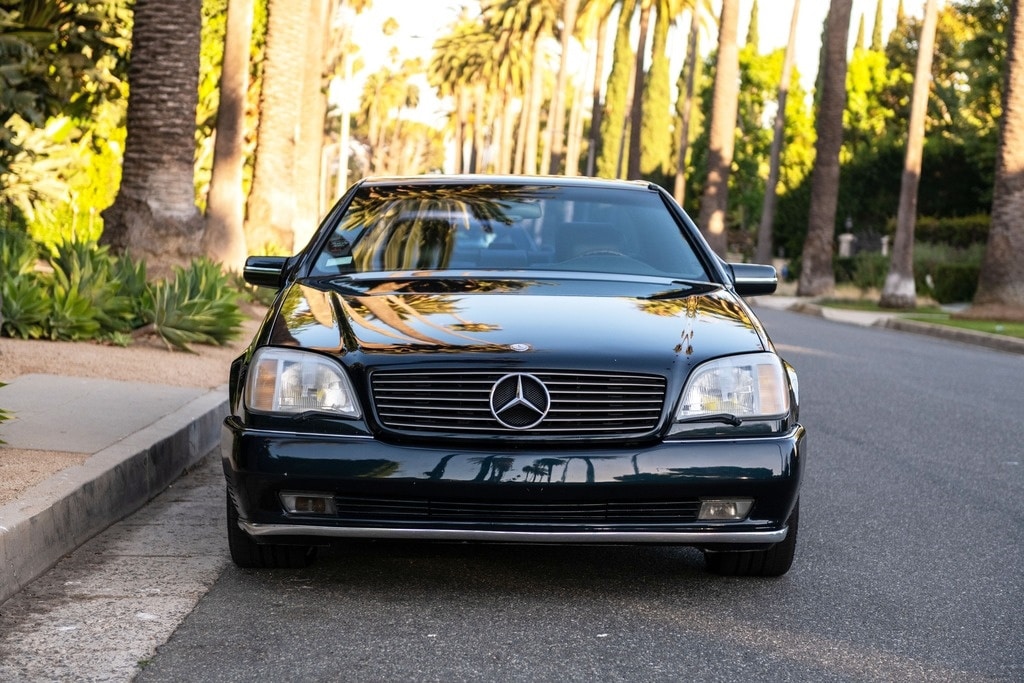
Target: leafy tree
x=59, y=58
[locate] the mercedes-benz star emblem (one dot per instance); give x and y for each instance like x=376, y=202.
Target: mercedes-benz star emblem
x=519, y=401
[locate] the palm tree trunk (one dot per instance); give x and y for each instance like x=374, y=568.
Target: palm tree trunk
x=536, y=102
x=272, y=201
x=816, y=274
x=899, y=290
x=154, y=216
x=715, y=200
x=1000, y=294
x=764, y=230
x=679, y=189
x=596, y=110
x=224, y=237
x=557, y=123
x=309, y=152
x=636, y=115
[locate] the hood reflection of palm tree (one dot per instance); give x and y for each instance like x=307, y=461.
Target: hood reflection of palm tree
x=492, y=467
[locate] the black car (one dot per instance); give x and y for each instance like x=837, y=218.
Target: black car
x=512, y=359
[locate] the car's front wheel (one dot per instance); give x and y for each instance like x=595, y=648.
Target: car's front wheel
x=249, y=554
x=773, y=561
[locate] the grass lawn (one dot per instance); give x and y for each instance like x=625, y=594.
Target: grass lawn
x=927, y=314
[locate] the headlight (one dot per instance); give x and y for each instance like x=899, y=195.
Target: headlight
x=751, y=386
x=292, y=381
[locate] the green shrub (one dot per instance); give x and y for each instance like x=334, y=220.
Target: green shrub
x=88, y=270
x=195, y=307
x=930, y=258
x=18, y=253
x=955, y=282
x=24, y=307
x=959, y=231
x=870, y=269
x=89, y=294
x=72, y=316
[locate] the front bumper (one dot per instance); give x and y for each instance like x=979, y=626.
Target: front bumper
x=539, y=495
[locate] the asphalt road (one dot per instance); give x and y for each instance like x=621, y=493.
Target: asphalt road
x=908, y=568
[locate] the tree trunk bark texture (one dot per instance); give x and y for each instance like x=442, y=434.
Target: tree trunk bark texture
x=637, y=107
x=899, y=290
x=1000, y=294
x=715, y=199
x=272, y=206
x=816, y=274
x=224, y=238
x=154, y=216
x=764, y=230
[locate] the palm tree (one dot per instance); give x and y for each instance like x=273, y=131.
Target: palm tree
x=457, y=69
x=684, y=107
x=557, y=126
x=597, y=14
x=724, y=104
x=309, y=151
x=1000, y=294
x=154, y=216
x=224, y=237
x=636, y=113
x=616, y=96
x=899, y=290
x=764, y=231
x=816, y=274
x=272, y=206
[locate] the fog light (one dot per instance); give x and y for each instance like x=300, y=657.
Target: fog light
x=732, y=509
x=308, y=503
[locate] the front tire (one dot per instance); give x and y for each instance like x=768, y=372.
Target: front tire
x=249, y=554
x=773, y=561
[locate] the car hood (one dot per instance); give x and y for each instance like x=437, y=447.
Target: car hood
x=573, y=322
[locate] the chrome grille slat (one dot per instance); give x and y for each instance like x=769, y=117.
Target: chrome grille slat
x=582, y=404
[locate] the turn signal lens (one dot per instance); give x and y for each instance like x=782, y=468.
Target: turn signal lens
x=293, y=381
x=751, y=386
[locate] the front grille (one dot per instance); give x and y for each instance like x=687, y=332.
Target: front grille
x=357, y=510
x=582, y=404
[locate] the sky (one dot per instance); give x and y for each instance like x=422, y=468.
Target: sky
x=421, y=22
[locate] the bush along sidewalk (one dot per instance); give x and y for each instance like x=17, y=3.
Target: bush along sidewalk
x=79, y=291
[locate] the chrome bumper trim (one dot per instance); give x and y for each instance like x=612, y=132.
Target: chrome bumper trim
x=593, y=537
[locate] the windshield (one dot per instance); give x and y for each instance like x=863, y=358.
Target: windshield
x=508, y=227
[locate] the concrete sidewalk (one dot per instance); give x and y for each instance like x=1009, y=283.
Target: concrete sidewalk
x=139, y=438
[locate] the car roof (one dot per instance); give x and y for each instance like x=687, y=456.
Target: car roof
x=484, y=179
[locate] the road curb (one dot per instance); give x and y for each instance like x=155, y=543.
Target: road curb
x=998, y=342
x=56, y=516
x=993, y=341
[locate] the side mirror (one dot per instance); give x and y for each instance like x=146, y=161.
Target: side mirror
x=751, y=279
x=265, y=271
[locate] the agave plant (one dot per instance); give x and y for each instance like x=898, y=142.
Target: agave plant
x=24, y=307
x=88, y=269
x=197, y=306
